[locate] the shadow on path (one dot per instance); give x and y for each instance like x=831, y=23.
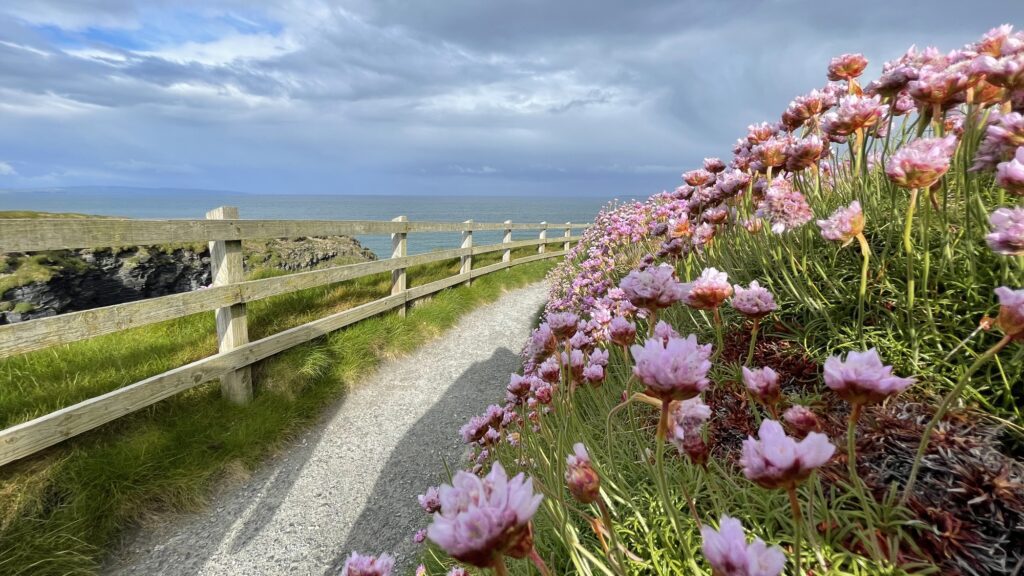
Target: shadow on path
x=392, y=515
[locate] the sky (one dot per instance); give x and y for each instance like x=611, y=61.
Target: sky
x=545, y=98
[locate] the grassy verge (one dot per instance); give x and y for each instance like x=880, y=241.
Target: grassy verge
x=63, y=509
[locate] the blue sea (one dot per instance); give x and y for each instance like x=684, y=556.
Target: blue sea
x=193, y=204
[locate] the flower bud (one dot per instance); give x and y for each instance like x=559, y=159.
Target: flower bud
x=583, y=481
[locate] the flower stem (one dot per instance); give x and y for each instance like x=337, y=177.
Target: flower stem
x=865, y=252
x=851, y=444
x=943, y=408
x=908, y=247
x=718, y=333
x=499, y=566
x=794, y=504
x=539, y=563
x=753, y=341
x=652, y=321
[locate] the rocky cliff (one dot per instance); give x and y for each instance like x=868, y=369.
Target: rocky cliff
x=44, y=284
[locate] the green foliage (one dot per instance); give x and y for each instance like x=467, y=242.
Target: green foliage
x=62, y=510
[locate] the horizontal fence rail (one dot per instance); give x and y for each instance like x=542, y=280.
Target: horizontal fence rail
x=227, y=298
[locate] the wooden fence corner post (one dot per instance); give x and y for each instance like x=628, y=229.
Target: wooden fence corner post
x=399, y=249
x=506, y=256
x=542, y=247
x=568, y=234
x=226, y=267
x=467, y=242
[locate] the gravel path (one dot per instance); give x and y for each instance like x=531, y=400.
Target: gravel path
x=350, y=483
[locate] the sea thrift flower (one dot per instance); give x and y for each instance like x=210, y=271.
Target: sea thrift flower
x=563, y=324
x=784, y=207
x=1011, y=312
x=714, y=165
x=1006, y=72
x=420, y=536
x=862, y=378
x=542, y=342
x=621, y=331
x=518, y=386
x=458, y=571
x=653, y=288
x=550, y=371
x=1010, y=175
x=665, y=331
x=921, y=163
x=482, y=519
x=673, y=370
x=360, y=565
x=1007, y=235
x=854, y=112
x=801, y=419
x=804, y=153
x=599, y=357
x=699, y=177
x=753, y=302
x=685, y=421
x=763, y=383
x=583, y=481
x=430, y=500
x=844, y=224
x=708, y=291
x=847, y=67
x=775, y=460
x=594, y=373
x=729, y=553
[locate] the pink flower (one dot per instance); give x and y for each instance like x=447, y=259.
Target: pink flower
x=542, y=342
x=583, y=481
x=673, y=370
x=1006, y=72
x=518, y=386
x=854, y=112
x=430, y=500
x=714, y=165
x=360, y=565
x=804, y=153
x=708, y=291
x=563, y=324
x=652, y=288
x=420, y=536
x=729, y=554
x=862, y=378
x=753, y=302
x=594, y=373
x=1011, y=312
x=844, y=224
x=1010, y=175
x=921, y=163
x=847, y=67
x=550, y=371
x=784, y=207
x=665, y=331
x=621, y=331
x=1007, y=235
x=482, y=519
x=699, y=177
x=685, y=421
x=771, y=152
x=763, y=383
x=803, y=108
x=801, y=419
x=775, y=460
x=599, y=357
x=458, y=571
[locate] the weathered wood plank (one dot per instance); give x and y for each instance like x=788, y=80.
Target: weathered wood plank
x=476, y=273
x=399, y=246
x=506, y=239
x=467, y=244
x=28, y=235
x=232, y=326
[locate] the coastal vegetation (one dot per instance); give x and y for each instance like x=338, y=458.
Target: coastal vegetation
x=805, y=360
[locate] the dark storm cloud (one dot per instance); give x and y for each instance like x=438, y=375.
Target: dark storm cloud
x=575, y=96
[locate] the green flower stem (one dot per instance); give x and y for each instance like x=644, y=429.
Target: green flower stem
x=719, y=341
x=908, y=247
x=794, y=504
x=753, y=341
x=953, y=394
x=652, y=321
x=865, y=252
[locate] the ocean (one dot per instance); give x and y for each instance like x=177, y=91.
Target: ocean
x=160, y=204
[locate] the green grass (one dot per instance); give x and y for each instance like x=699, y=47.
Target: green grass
x=5, y=214
x=62, y=510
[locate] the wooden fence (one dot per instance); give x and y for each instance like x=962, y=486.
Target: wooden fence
x=227, y=298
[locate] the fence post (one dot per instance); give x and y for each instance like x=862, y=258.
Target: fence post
x=399, y=249
x=543, y=246
x=467, y=242
x=506, y=256
x=568, y=234
x=232, y=330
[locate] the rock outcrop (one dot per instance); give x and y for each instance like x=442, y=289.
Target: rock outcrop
x=72, y=280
